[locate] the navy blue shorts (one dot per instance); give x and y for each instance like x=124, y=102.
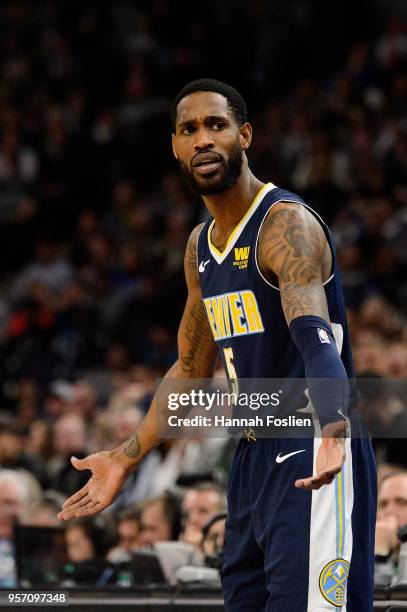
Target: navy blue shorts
x=291, y=550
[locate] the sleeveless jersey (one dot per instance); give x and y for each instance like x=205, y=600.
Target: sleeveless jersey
x=244, y=309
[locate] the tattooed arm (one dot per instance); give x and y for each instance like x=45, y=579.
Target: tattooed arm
x=293, y=247
x=196, y=359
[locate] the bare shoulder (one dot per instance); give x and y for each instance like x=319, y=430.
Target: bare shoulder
x=290, y=234
x=190, y=260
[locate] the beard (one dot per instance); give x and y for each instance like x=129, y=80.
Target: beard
x=222, y=179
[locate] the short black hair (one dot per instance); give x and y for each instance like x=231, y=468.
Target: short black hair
x=235, y=100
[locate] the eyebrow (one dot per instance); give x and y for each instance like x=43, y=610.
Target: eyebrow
x=397, y=499
x=208, y=119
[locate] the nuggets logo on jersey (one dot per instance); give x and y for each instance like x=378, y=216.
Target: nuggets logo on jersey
x=333, y=580
x=241, y=257
x=233, y=314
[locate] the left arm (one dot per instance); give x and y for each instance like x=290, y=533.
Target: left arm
x=293, y=246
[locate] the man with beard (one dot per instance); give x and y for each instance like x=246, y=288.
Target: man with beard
x=264, y=291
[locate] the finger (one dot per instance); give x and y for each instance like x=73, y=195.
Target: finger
x=314, y=482
x=303, y=483
x=73, y=511
x=320, y=479
x=65, y=515
x=90, y=503
x=80, y=464
x=76, y=496
x=91, y=509
x=79, y=504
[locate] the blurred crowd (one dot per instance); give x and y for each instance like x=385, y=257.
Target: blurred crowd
x=94, y=221
x=191, y=518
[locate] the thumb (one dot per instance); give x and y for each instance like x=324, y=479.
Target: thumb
x=80, y=464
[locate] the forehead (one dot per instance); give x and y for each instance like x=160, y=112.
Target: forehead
x=395, y=486
x=201, y=104
x=152, y=510
x=200, y=497
x=10, y=489
x=76, y=531
x=128, y=524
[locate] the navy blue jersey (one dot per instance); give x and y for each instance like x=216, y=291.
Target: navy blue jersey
x=244, y=309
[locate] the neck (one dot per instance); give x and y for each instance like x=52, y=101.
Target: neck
x=229, y=207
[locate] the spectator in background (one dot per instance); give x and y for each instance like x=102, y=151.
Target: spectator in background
x=69, y=439
x=59, y=398
x=14, y=496
x=84, y=400
x=199, y=505
x=396, y=360
x=39, y=440
x=128, y=529
x=13, y=453
x=44, y=513
x=383, y=410
x=213, y=540
x=188, y=460
x=19, y=168
x=385, y=470
x=27, y=408
x=50, y=271
x=88, y=538
x=160, y=520
x=391, y=515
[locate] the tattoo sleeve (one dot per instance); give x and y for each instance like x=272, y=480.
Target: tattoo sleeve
x=292, y=246
x=196, y=346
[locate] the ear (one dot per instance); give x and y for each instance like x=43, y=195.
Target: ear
x=173, y=146
x=246, y=136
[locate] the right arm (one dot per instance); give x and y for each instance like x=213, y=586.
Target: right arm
x=197, y=353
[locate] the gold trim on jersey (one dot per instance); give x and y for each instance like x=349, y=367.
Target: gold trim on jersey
x=220, y=256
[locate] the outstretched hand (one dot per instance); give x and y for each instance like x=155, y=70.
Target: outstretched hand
x=330, y=458
x=108, y=477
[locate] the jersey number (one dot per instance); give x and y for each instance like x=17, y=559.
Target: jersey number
x=231, y=370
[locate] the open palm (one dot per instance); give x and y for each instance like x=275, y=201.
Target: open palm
x=330, y=459
x=108, y=477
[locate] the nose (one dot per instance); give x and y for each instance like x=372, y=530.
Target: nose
x=203, y=139
x=193, y=520
x=390, y=510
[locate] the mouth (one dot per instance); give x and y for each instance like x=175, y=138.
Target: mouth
x=205, y=168
x=206, y=163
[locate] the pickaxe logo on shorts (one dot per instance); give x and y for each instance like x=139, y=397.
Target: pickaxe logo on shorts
x=333, y=581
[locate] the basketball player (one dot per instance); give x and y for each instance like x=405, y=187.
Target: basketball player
x=301, y=511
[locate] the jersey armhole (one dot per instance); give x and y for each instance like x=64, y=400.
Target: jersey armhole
x=197, y=245
x=324, y=228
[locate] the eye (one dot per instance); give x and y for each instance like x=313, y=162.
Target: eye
x=188, y=129
x=218, y=126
